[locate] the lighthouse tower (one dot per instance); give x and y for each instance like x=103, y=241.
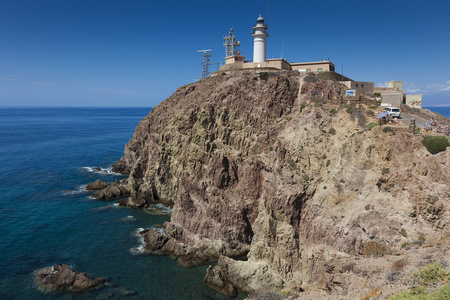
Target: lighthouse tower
x=259, y=43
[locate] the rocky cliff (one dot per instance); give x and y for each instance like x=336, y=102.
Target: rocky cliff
x=285, y=186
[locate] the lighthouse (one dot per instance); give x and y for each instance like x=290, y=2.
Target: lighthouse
x=259, y=43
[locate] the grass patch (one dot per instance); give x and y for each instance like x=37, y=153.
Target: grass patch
x=435, y=144
x=371, y=126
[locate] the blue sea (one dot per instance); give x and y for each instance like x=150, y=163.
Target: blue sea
x=445, y=111
x=47, y=155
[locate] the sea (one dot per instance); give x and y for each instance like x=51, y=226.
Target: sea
x=47, y=156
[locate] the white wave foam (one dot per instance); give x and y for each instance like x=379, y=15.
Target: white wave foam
x=163, y=208
x=79, y=190
x=115, y=204
x=98, y=170
x=139, y=249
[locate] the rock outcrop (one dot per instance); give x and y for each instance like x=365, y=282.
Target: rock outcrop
x=284, y=172
x=62, y=277
x=96, y=185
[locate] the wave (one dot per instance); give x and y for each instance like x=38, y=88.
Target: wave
x=78, y=190
x=98, y=170
x=158, y=209
x=139, y=249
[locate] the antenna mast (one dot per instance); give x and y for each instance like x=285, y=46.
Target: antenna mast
x=230, y=43
x=205, y=62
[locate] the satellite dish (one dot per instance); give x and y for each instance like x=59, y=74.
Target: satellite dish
x=238, y=43
x=238, y=52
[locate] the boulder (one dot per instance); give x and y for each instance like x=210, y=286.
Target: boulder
x=96, y=185
x=62, y=277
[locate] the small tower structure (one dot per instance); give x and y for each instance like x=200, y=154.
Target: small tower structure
x=259, y=40
x=205, y=62
x=230, y=43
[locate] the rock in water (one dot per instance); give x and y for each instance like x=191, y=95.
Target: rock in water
x=96, y=185
x=64, y=278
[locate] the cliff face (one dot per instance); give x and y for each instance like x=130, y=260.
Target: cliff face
x=253, y=167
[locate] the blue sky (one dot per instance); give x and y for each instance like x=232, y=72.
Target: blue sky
x=136, y=52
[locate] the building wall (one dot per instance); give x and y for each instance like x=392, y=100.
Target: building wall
x=414, y=101
x=395, y=85
x=316, y=66
x=393, y=99
x=359, y=86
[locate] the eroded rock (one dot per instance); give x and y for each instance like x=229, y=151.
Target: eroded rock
x=62, y=277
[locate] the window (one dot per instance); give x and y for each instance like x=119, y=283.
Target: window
x=356, y=85
x=362, y=84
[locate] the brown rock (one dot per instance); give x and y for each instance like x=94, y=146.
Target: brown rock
x=96, y=185
x=64, y=278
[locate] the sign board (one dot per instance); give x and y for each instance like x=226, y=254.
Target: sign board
x=350, y=93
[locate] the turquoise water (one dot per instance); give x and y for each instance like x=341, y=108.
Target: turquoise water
x=47, y=218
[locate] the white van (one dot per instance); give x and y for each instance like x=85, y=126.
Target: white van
x=393, y=111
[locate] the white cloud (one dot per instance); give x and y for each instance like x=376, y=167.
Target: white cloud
x=6, y=78
x=439, y=88
x=42, y=83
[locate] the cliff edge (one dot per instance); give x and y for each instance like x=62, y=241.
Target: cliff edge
x=279, y=177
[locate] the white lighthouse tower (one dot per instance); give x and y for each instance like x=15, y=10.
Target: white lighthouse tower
x=259, y=44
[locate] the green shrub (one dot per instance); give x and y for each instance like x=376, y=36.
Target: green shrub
x=432, y=273
x=316, y=104
x=324, y=187
x=223, y=73
x=289, y=118
x=328, y=163
x=332, y=131
x=324, y=156
x=371, y=126
x=302, y=106
x=435, y=144
x=404, y=245
x=375, y=249
x=310, y=78
x=264, y=76
x=292, y=164
x=373, y=107
x=403, y=232
x=342, y=180
x=271, y=148
x=349, y=110
x=387, y=129
x=306, y=177
x=278, y=170
x=332, y=111
x=377, y=94
x=385, y=171
x=367, y=207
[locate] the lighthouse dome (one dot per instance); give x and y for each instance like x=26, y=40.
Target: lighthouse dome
x=260, y=20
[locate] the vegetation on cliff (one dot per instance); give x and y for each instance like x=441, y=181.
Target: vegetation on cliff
x=284, y=170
